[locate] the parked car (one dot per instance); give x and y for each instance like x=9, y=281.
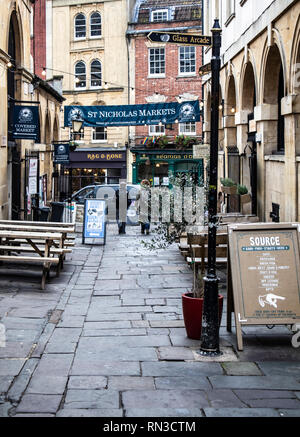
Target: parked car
x=96, y=191
x=108, y=192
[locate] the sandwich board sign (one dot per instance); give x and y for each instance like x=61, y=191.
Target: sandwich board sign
x=263, y=275
x=94, y=220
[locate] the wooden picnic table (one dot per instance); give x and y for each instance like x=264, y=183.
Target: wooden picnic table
x=17, y=226
x=35, y=223
x=46, y=239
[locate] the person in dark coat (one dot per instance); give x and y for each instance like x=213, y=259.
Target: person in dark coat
x=122, y=204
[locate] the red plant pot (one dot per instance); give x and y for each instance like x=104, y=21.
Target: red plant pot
x=192, y=314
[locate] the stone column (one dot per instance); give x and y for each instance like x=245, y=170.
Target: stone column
x=266, y=117
x=290, y=106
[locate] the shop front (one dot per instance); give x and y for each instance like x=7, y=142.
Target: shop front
x=159, y=165
x=89, y=167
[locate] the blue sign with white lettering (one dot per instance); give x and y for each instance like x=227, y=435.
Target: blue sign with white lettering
x=134, y=115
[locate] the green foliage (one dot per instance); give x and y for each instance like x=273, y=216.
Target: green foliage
x=227, y=182
x=242, y=189
x=183, y=142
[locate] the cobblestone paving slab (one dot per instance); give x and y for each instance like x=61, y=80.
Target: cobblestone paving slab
x=107, y=339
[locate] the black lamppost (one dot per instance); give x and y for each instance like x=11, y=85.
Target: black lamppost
x=210, y=319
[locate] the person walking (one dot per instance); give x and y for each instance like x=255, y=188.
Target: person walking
x=122, y=204
x=144, y=198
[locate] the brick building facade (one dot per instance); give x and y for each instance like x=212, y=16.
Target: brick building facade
x=163, y=72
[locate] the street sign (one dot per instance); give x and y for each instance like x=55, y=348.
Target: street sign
x=180, y=38
x=263, y=275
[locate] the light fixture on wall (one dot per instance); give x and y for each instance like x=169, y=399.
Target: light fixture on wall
x=44, y=73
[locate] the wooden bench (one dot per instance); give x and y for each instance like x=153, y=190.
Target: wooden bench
x=41, y=253
x=199, y=250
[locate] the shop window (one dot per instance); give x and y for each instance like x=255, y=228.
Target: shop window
x=157, y=62
x=99, y=134
x=95, y=25
x=80, y=26
x=187, y=60
x=188, y=128
x=96, y=74
x=159, y=15
x=157, y=129
x=80, y=73
x=161, y=174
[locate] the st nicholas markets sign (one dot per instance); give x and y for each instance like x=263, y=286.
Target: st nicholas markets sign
x=134, y=115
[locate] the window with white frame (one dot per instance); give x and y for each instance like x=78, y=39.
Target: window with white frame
x=188, y=128
x=187, y=60
x=160, y=15
x=157, y=61
x=99, y=134
x=96, y=74
x=95, y=25
x=157, y=129
x=80, y=26
x=80, y=73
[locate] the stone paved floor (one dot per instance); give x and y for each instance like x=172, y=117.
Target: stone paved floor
x=107, y=339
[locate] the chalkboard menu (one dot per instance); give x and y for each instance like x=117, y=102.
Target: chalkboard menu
x=263, y=275
x=94, y=220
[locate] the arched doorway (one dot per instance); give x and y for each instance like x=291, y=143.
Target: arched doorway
x=230, y=139
x=249, y=152
x=14, y=152
x=273, y=92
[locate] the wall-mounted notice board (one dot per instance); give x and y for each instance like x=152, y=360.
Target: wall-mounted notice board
x=263, y=275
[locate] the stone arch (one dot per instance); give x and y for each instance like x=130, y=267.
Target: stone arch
x=231, y=96
x=248, y=87
x=274, y=88
x=16, y=25
x=48, y=136
x=56, y=129
x=274, y=60
x=295, y=62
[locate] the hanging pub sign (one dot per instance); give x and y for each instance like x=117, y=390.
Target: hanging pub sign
x=134, y=115
x=61, y=153
x=263, y=275
x=26, y=123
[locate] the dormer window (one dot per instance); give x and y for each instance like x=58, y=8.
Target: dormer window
x=160, y=15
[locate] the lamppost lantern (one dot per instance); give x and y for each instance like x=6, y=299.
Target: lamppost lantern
x=77, y=124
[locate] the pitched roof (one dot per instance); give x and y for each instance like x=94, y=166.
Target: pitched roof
x=179, y=10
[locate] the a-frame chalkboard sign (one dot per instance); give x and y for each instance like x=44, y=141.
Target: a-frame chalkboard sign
x=263, y=275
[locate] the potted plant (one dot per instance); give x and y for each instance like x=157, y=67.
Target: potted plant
x=228, y=186
x=242, y=190
x=162, y=142
x=183, y=142
x=165, y=233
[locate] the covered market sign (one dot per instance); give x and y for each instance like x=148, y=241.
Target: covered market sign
x=134, y=115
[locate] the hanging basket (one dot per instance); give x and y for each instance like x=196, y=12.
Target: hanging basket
x=245, y=198
x=229, y=190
